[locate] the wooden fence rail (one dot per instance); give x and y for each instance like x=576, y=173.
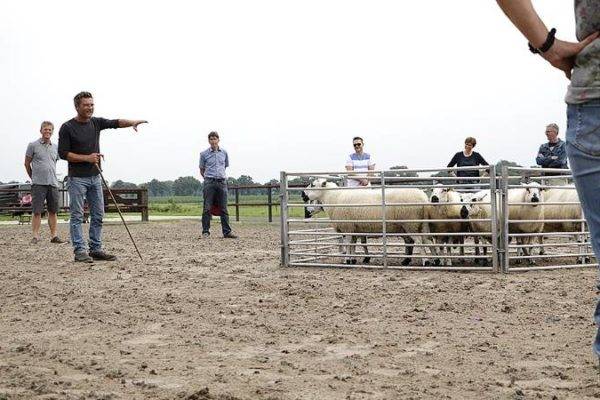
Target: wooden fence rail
x=129, y=200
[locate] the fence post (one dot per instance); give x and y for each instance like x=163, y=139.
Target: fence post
x=237, y=203
x=383, y=220
x=144, y=201
x=283, y=201
x=270, y=201
x=505, y=216
x=494, y=218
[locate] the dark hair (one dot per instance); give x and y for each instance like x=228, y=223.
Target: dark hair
x=47, y=123
x=358, y=138
x=213, y=134
x=471, y=140
x=81, y=95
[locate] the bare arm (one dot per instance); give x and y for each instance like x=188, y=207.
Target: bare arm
x=93, y=158
x=202, y=172
x=28, y=165
x=562, y=54
x=126, y=123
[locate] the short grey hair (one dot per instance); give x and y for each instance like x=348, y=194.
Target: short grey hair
x=47, y=123
x=553, y=126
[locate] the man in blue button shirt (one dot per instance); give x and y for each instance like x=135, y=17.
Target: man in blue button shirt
x=213, y=162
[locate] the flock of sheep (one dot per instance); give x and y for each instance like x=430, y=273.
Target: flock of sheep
x=440, y=220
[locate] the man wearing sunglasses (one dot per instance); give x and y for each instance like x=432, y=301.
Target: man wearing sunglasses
x=359, y=161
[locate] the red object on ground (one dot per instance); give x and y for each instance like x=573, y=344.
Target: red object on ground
x=215, y=210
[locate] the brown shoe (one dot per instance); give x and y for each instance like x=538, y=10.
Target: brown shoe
x=58, y=240
x=230, y=236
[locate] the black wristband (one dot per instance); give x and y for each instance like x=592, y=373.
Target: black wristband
x=547, y=44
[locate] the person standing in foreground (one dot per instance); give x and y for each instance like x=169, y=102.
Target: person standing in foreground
x=552, y=154
x=581, y=63
x=79, y=144
x=359, y=161
x=213, y=162
x=40, y=164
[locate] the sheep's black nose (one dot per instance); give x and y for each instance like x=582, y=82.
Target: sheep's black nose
x=304, y=197
x=535, y=199
x=464, y=213
x=307, y=214
x=435, y=199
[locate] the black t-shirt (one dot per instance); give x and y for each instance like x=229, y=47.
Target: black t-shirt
x=82, y=138
x=460, y=160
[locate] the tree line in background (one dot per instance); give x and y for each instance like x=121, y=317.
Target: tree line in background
x=190, y=186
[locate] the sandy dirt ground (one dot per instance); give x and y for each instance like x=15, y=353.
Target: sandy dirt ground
x=219, y=319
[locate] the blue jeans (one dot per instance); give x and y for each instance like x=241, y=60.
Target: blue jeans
x=583, y=150
x=215, y=193
x=90, y=188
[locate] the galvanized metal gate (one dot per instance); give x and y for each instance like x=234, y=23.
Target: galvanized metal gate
x=488, y=240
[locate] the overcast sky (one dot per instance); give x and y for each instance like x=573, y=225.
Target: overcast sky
x=286, y=84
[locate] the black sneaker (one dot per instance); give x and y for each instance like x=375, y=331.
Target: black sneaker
x=58, y=240
x=230, y=236
x=205, y=235
x=82, y=256
x=102, y=256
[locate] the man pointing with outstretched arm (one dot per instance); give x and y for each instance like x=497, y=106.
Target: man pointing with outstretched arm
x=581, y=64
x=79, y=144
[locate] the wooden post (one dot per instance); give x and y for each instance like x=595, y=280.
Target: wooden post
x=237, y=204
x=144, y=202
x=270, y=201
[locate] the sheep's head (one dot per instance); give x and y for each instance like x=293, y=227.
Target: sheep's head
x=474, y=203
x=440, y=194
x=533, y=193
x=314, y=192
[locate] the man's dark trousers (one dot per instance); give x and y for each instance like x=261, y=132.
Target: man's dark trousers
x=215, y=192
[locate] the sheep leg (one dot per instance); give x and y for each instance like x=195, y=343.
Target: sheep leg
x=527, y=250
x=519, y=250
x=433, y=250
x=367, y=258
x=408, y=249
x=352, y=250
x=345, y=248
x=342, y=247
x=448, y=248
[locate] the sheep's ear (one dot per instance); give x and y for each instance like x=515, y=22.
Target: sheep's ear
x=324, y=184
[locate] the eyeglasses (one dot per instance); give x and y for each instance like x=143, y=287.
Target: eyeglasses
x=357, y=144
x=469, y=144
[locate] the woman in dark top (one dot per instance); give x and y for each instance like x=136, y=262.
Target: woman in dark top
x=467, y=158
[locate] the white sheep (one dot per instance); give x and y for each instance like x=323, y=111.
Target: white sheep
x=535, y=212
x=479, y=207
x=442, y=195
x=373, y=196
x=568, y=194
